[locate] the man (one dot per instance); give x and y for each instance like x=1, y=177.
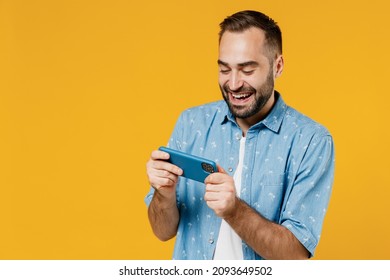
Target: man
x=270, y=194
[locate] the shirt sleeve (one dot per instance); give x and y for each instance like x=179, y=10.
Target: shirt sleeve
x=173, y=143
x=309, y=197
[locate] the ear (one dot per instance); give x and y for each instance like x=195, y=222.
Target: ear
x=278, y=66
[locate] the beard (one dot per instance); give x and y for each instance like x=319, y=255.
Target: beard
x=261, y=96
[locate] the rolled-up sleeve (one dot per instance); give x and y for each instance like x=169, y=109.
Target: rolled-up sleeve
x=309, y=197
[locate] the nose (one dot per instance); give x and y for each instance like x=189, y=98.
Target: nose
x=235, y=82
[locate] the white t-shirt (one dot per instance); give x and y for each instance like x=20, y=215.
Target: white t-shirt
x=229, y=244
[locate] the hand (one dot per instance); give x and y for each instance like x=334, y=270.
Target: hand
x=221, y=193
x=162, y=175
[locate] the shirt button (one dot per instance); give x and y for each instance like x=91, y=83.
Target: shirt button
x=230, y=169
x=211, y=241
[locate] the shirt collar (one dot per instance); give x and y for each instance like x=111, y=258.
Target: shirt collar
x=273, y=121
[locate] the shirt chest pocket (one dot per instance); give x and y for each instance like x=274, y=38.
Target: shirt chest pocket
x=268, y=194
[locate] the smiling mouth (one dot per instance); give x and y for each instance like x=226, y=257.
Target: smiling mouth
x=240, y=96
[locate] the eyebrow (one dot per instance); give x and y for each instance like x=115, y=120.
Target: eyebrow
x=243, y=64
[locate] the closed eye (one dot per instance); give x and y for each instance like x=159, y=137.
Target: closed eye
x=248, y=72
x=224, y=71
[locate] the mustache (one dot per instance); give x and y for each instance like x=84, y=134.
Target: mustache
x=243, y=89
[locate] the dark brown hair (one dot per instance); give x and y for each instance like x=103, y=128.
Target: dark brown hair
x=244, y=20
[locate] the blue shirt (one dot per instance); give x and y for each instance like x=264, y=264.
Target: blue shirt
x=287, y=174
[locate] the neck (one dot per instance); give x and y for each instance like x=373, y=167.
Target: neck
x=246, y=123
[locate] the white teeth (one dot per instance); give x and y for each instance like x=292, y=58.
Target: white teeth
x=241, y=96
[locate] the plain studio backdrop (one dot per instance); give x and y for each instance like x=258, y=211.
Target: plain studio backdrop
x=89, y=88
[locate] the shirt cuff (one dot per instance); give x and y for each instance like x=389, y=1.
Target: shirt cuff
x=303, y=235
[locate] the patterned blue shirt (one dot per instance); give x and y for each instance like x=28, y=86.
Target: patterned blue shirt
x=287, y=174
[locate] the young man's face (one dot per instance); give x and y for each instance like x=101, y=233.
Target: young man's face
x=246, y=76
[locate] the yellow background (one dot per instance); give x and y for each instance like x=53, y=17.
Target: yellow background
x=89, y=88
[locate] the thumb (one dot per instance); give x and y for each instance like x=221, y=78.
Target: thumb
x=220, y=169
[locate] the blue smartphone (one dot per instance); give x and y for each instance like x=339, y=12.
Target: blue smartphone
x=194, y=167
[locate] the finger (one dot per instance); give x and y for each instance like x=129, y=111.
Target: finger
x=214, y=187
x=220, y=191
x=212, y=196
x=165, y=174
x=158, y=182
x=217, y=205
x=163, y=165
x=159, y=155
x=221, y=170
x=162, y=178
x=212, y=204
x=218, y=178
